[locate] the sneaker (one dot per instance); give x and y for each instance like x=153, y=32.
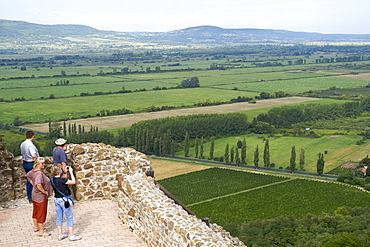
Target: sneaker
x=62, y=237
x=74, y=238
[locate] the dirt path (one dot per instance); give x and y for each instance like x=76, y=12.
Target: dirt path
x=113, y=122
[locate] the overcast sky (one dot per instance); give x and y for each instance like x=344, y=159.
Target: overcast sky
x=323, y=16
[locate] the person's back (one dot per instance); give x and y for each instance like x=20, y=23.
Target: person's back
x=29, y=154
x=59, y=155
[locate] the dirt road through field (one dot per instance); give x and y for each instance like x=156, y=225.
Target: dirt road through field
x=113, y=122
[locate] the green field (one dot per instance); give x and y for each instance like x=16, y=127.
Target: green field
x=75, y=107
x=224, y=79
x=228, y=196
x=203, y=185
x=339, y=150
x=294, y=198
x=295, y=86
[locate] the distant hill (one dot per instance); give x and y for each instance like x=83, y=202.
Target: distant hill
x=22, y=29
x=201, y=34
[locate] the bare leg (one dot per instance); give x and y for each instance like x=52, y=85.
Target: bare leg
x=35, y=225
x=41, y=228
x=59, y=231
x=70, y=230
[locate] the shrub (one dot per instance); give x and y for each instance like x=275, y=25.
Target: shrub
x=367, y=186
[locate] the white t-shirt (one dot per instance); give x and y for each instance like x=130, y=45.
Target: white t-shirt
x=27, y=150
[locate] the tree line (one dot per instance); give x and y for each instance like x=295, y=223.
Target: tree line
x=285, y=116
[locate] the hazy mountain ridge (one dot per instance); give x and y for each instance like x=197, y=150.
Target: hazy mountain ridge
x=201, y=34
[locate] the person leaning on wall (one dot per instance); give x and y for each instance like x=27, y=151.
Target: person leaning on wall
x=29, y=154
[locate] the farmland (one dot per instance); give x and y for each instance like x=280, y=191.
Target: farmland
x=59, y=87
x=211, y=186
x=338, y=150
x=233, y=198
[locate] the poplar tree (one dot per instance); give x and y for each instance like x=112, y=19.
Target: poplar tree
x=256, y=157
x=64, y=128
x=201, y=151
x=196, y=148
x=186, y=145
x=237, y=158
x=244, y=152
x=301, y=159
x=320, y=164
x=226, y=156
x=232, y=155
x=266, y=154
x=212, y=148
x=293, y=159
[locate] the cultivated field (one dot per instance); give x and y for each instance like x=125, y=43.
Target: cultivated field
x=113, y=122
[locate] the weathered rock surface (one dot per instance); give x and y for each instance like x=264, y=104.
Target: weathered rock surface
x=119, y=174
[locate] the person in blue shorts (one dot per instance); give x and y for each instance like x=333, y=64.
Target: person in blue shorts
x=63, y=200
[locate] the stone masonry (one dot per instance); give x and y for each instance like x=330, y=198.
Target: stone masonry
x=119, y=174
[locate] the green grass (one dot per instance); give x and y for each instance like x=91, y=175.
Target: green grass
x=296, y=86
x=76, y=89
x=339, y=150
x=11, y=135
x=75, y=107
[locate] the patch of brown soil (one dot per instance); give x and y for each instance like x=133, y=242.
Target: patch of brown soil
x=168, y=168
x=350, y=165
x=357, y=76
x=331, y=137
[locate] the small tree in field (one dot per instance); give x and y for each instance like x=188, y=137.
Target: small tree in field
x=256, y=157
x=226, y=156
x=212, y=149
x=190, y=82
x=320, y=164
x=266, y=154
x=301, y=159
x=244, y=152
x=186, y=145
x=292, y=159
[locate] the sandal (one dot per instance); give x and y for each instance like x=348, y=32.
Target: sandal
x=45, y=234
x=36, y=230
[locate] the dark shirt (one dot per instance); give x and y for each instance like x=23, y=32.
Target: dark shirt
x=60, y=184
x=59, y=156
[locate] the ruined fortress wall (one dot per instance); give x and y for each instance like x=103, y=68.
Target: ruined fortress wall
x=119, y=174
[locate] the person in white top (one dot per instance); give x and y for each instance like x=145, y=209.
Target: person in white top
x=29, y=154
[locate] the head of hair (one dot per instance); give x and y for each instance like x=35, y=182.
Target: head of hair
x=56, y=169
x=29, y=134
x=38, y=160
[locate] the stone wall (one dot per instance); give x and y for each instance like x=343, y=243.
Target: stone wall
x=119, y=174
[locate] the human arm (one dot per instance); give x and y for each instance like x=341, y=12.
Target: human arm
x=73, y=179
x=41, y=189
x=29, y=180
x=64, y=166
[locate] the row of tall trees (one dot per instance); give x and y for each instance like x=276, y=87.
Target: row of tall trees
x=57, y=130
x=285, y=116
x=197, y=126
